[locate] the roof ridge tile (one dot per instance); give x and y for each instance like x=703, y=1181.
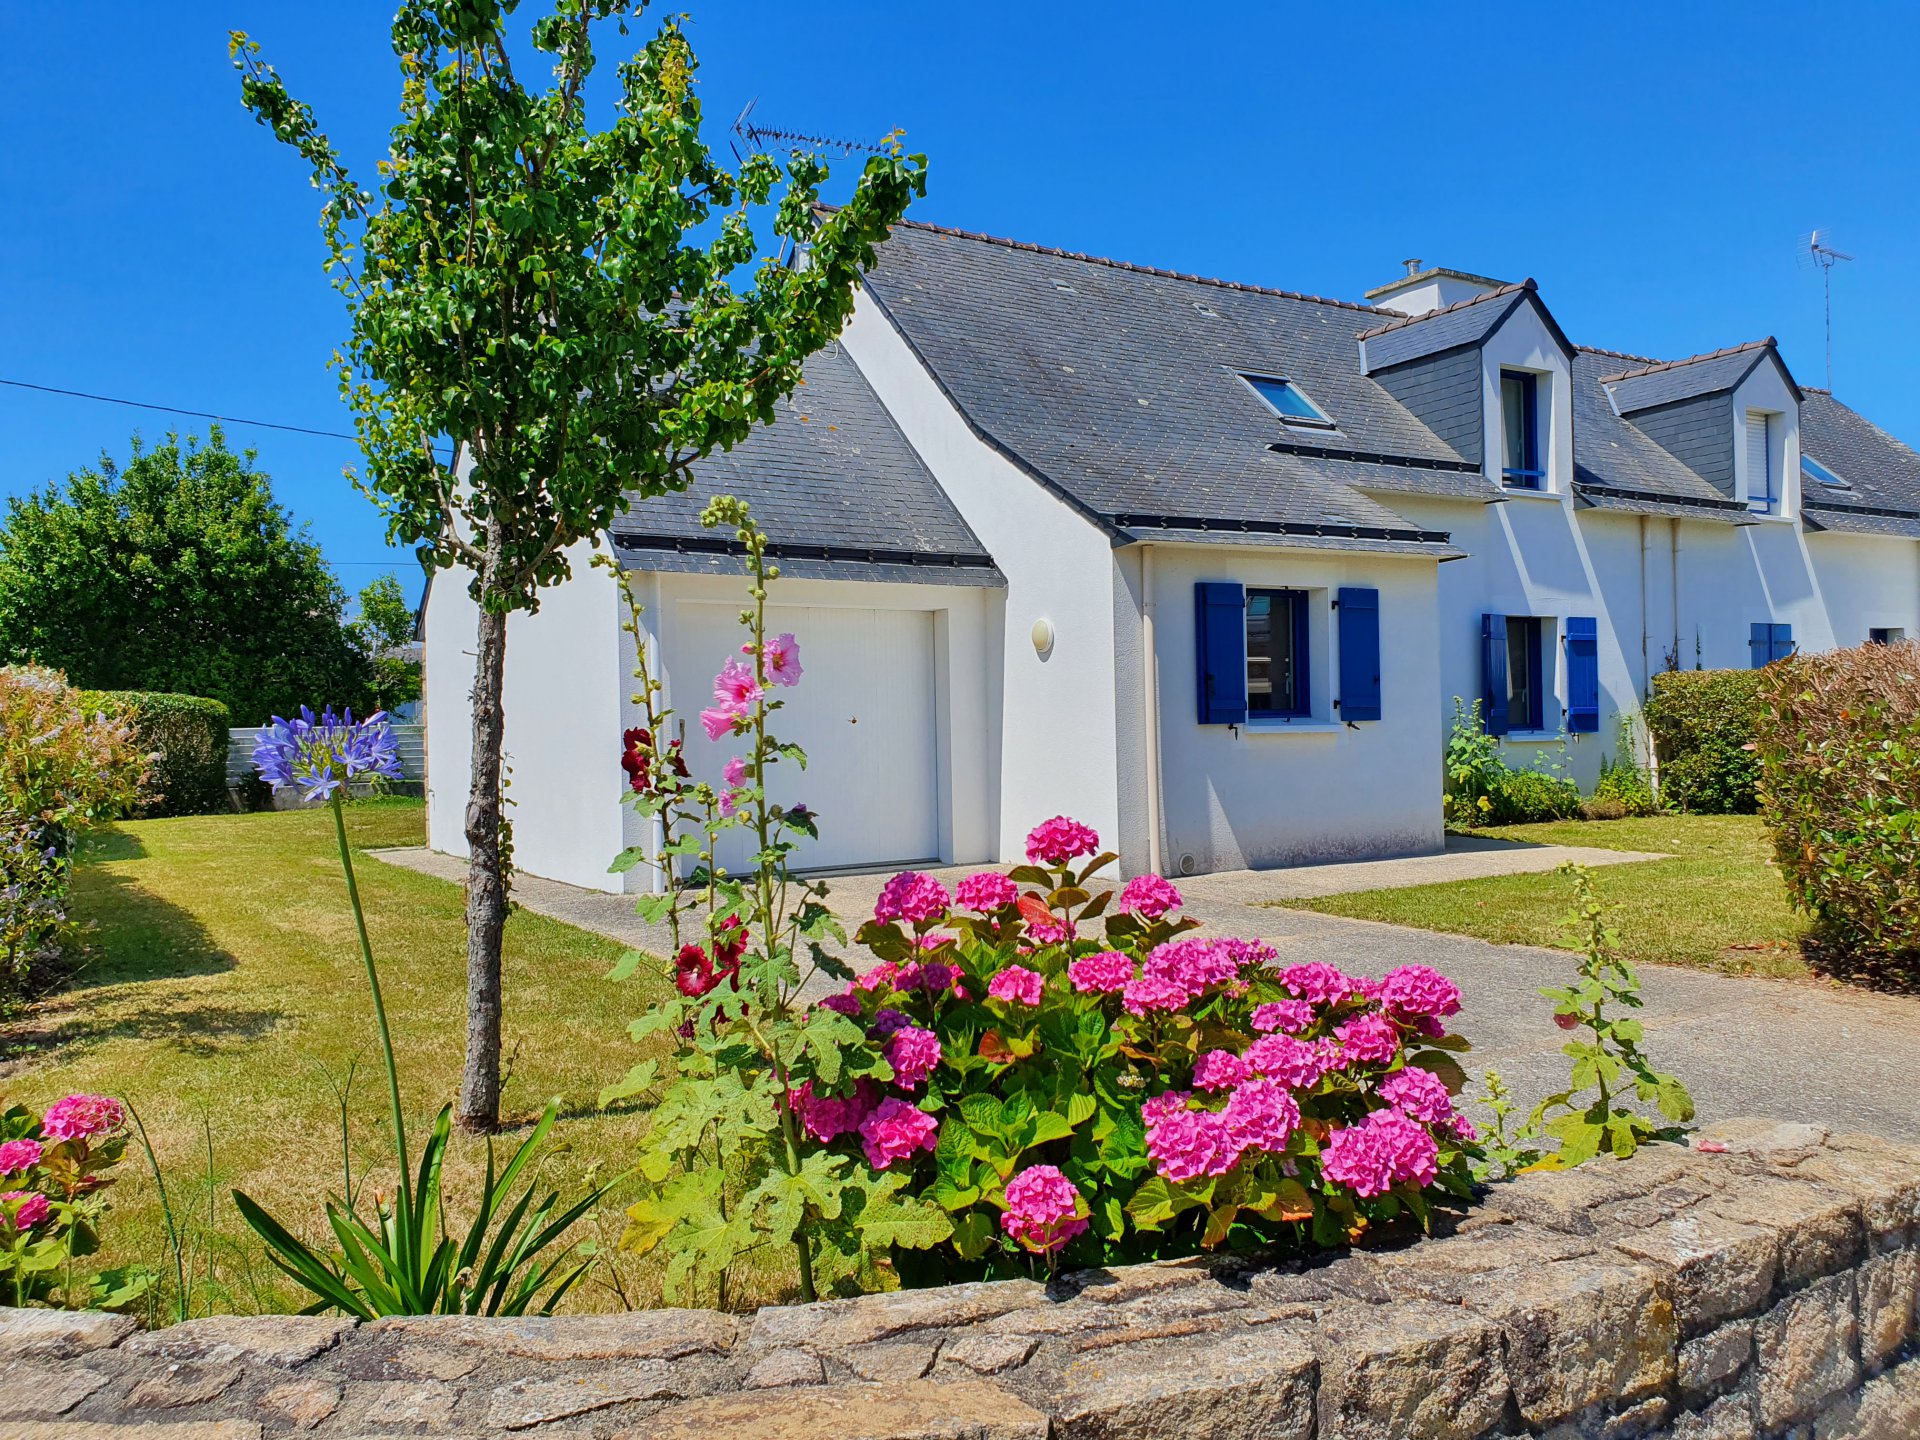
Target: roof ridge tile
x=1766, y=342
x=1471, y=300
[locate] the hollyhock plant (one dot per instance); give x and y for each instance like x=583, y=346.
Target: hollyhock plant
x=782, y=657
x=735, y=687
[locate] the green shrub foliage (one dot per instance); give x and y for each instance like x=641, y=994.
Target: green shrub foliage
x=1838, y=745
x=185, y=738
x=1482, y=789
x=1702, y=722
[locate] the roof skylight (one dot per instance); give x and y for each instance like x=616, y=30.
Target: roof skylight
x=1814, y=470
x=1287, y=400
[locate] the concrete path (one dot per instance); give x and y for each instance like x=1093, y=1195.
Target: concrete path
x=1467, y=857
x=1795, y=1050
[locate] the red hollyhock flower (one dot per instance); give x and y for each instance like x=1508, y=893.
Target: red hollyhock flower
x=636, y=747
x=693, y=973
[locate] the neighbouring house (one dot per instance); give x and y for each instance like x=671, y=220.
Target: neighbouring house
x=1201, y=563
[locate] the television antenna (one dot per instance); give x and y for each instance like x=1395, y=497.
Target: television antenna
x=755, y=137
x=1819, y=250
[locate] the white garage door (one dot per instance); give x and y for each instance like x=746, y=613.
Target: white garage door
x=863, y=712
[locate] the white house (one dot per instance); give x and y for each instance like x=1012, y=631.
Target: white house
x=1203, y=564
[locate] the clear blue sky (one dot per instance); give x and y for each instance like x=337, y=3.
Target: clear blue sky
x=1652, y=166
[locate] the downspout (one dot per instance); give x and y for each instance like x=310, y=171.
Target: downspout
x=1646, y=668
x=656, y=826
x=1150, y=692
x=1673, y=566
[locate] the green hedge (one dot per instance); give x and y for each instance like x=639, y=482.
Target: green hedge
x=1702, y=723
x=1839, y=749
x=187, y=736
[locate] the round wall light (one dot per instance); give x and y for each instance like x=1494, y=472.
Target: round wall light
x=1042, y=635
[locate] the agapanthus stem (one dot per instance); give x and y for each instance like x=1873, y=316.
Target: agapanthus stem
x=373, y=983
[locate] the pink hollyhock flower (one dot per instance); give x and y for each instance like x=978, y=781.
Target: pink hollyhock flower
x=718, y=723
x=1153, y=992
x=1041, y=1206
x=1381, y=1150
x=846, y=1003
x=78, y=1116
x=1219, y=1070
x=913, y=1052
x=1320, y=983
x=1056, y=841
x=1297, y=1064
x=734, y=772
x=917, y=898
x=28, y=1208
x=735, y=687
x=986, y=891
x=1417, y=990
x=17, y=1156
x=1260, y=1115
x=727, y=804
x=1149, y=896
x=894, y=1131
x=1419, y=1093
x=1371, y=1038
x=1101, y=974
x=881, y=976
x=1017, y=985
x=782, y=656
x=1186, y=1144
x=1289, y=1016
x=828, y=1117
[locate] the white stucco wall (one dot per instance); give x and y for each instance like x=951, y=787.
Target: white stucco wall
x=1282, y=793
x=564, y=683
x=1058, y=743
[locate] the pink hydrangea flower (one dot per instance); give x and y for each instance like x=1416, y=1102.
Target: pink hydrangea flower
x=894, y=1131
x=78, y=1116
x=913, y=1052
x=782, y=656
x=881, y=976
x=19, y=1155
x=1156, y=1106
x=1197, y=965
x=718, y=723
x=1101, y=974
x=1056, y=841
x=1186, y=1144
x=917, y=898
x=28, y=1208
x=1260, y=1115
x=931, y=976
x=1017, y=985
x=888, y=1022
x=1041, y=1206
x=1381, y=1150
x=1417, y=990
x=1288, y=1016
x=1419, y=1093
x=828, y=1117
x=1219, y=1070
x=985, y=891
x=1371, y=1038
x=735, y=686
x=1152, y=992
x=1149, y=896
x=1046, y=930
x=1320, y=983
x=1297, y=1064
x=1463, y=1128
x=845, y=1003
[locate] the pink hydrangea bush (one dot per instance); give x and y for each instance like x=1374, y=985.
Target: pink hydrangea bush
x=53, y=1172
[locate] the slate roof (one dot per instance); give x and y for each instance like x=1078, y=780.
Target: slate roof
x=1616, y=465
x=1118, y=387
x=1465, y=322
x=838, y=488
x=1664, y=382
x=1883, y=473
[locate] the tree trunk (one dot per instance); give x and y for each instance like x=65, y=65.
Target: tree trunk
x=479, y=1108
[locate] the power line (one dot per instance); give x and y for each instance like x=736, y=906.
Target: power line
x=176, y=410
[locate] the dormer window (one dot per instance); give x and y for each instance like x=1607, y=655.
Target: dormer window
x=1287, y=400
x=1815, y=471
x=1520, y=419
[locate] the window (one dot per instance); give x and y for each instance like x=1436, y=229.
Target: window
x=1277, y=653
x=1886, y=635
x=1768, y=642
x=1289, y=402
x=1520, y=416
x=1763, y=480
x=1526, y=684
x=1814, y=470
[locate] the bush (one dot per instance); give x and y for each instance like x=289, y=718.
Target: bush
x=1623, y=788
x=62, y=765
x=1482, y=789
x=1838, y=745
x=34, y=923
x=185, y=740
x=1527, y=797
x=52, y=1175
x=1702, y=723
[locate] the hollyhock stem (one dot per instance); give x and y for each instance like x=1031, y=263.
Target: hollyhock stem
x=373, y=983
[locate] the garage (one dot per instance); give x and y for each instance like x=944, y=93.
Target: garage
x=865, y=713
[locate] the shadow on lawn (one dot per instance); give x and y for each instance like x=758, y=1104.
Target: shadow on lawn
x=132, y=935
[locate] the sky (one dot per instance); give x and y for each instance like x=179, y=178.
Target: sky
x=1656, y=168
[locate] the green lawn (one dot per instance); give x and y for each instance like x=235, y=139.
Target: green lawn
x=1717, y=905
x=224, y=994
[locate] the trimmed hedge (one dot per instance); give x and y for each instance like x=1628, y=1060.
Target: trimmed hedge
x=187, y=737
x=1702, y=723
x=1839, y=750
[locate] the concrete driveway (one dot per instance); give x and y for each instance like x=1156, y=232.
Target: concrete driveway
x=1794, y=1050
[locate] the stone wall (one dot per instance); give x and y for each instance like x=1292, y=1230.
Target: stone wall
x=1763, y=1283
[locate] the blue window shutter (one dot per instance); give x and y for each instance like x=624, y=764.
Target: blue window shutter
x=1359, y=653
x=1493, y=673
x=1759, y=645
x=1782, y=642
x=1220, y=625
x=1583, y=675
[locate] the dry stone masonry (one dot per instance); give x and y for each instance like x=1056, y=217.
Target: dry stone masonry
x=1765, y=1289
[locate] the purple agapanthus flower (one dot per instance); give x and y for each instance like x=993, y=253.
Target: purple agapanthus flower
x=322, y=754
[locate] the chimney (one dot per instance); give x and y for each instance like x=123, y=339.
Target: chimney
x=1421, y=290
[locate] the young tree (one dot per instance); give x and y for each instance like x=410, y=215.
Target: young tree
x=175, y=572
x=383, y=630
x=578, y=313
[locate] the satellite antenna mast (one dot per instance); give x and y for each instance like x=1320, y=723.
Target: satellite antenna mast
x=755, y=137
x=1824, y=255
